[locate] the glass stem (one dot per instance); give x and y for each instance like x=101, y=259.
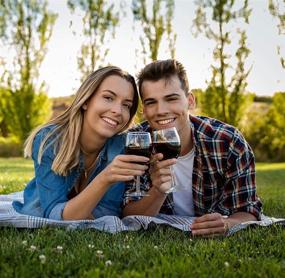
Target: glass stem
x=173, y=179
x=137, y=182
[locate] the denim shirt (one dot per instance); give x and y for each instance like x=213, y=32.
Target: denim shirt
x=47, y=194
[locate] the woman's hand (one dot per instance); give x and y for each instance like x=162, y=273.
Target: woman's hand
x=160, y=173
x=124, y=168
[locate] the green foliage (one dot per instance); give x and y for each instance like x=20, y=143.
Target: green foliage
x=264, y=99
x=4, y=111
x=157, y=252
x=155, y=24
x=10, y=147
x=253, y=128
x=98, y=21
x=139, y=115
x=3, y=18
x=275, y=128
x=225, y=96
x=277, y=9
x=28, y=111
x=27, y=30
x=264, y=128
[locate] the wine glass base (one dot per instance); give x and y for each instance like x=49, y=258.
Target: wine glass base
x=137, y=194
x=175, y=189
x=170, y=190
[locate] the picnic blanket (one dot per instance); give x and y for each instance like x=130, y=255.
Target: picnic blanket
x=111, y=224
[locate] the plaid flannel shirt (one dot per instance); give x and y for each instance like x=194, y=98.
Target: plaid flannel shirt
x=223, y=171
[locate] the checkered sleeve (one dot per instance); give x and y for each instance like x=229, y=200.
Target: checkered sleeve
x=240, y=189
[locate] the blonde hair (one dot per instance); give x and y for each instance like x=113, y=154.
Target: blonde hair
x=68, y=125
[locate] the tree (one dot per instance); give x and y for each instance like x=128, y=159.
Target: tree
x=276, y=9
x=225, y=96
x=264, y=127
x=275, y=126
x=155, y=26
x=4, y=104
x=27, y=31
x=98, y=21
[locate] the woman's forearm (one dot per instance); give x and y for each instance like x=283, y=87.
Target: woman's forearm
x=81, y=206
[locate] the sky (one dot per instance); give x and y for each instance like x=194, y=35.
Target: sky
x=59, y=69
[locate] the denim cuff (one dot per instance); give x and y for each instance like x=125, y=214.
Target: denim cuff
x=56, y=212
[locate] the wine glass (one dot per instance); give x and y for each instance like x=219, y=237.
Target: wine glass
x=167, y=142
x=138, y=143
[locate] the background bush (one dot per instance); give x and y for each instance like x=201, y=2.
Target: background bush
x=10, y=147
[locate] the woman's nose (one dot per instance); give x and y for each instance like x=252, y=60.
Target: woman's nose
x=116, y=108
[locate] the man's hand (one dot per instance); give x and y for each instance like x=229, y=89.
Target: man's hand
x=160, y=173
x=213, y=224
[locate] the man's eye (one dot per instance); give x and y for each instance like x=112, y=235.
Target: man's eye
x=148, y=103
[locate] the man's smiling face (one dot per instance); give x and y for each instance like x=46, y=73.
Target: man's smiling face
x=165, y=104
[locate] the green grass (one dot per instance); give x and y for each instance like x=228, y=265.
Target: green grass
x=159, y=252
x=15, y=173
x=270, y=179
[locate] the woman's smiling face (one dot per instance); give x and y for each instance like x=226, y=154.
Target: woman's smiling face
x=107, y=112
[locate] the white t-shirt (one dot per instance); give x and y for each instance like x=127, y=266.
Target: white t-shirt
x=183, y=198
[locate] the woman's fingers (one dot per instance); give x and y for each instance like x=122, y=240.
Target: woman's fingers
x=132, y=158
x=126, y=167
x=124, y=178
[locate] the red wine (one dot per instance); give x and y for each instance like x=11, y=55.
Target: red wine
x=168, y=149
x=138, y=151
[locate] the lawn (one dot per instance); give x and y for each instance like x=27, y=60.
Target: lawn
x=160, y=252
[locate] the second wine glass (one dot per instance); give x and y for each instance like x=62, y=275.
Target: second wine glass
x=167, y=142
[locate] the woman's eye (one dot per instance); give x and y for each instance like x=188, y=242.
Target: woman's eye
x=108, y=98
x=128, y=106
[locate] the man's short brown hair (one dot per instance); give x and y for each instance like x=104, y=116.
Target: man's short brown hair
x=163, y=69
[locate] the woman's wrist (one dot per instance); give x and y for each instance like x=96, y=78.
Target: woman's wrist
x=102, y=180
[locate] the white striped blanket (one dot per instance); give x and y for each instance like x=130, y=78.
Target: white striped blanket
x=111, y=224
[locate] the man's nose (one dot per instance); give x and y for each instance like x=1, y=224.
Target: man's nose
x=162, y=108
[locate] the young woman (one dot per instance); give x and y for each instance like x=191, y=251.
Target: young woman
x=79, y=169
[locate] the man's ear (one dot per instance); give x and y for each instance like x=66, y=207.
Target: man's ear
x=191, y=101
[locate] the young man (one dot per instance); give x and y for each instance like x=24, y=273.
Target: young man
x=216, y=165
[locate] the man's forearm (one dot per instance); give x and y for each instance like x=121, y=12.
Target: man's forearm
x=240, y=217
x=149, y=205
